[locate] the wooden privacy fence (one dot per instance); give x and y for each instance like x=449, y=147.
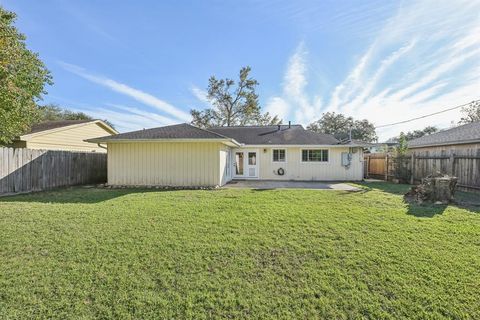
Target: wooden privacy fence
x=23, y=170
x=412, y=168
x=375, y=166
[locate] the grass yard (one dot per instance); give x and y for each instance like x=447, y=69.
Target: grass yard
x=85, y=253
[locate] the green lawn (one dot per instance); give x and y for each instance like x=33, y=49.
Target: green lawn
x=84, y=253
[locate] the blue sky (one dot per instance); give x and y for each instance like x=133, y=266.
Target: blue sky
x=143, y=64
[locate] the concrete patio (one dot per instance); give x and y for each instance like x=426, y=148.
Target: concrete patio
x=272, y=184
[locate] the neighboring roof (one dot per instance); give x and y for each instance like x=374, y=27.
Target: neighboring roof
x=467, y=133
x=360, y=143
x=52, y=126
x=388, y=143
x=182, y=131
x=48, y=125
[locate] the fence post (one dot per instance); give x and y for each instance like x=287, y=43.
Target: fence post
x=412, y=164
x=386, y=167
x=451, y=164
x=368, y=167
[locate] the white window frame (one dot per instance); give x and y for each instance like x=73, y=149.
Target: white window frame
x=315, y=162
x=285, y=159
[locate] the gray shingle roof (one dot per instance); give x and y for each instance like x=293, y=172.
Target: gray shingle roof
x=467, y=133
x=249, y=135
x=271, y=135
x=177, y=131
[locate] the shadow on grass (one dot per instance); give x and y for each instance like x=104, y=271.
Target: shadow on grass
x=463, y=200
x=77, y=195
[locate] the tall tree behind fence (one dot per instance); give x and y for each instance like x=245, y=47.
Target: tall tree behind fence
x=24, y=170
x=465, y=165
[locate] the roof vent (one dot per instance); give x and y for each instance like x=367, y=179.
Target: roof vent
x=289, y=124
x=279, y=127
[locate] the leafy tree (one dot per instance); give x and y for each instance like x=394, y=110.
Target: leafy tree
x=402, y=144
x=471, y=112
x=22, y=80
x=340, y=125
x=53, y=112
x=415, y=134
x=233, y=104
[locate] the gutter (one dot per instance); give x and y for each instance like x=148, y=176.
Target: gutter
x=301, y=146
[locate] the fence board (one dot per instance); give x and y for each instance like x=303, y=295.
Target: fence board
x=23, y=170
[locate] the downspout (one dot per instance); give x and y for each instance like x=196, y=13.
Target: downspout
x=100, y=146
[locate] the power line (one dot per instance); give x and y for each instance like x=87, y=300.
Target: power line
x=427, y=115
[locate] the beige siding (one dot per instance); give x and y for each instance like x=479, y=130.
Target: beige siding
x=69, y=138
x=295, y=169
x=166, y=163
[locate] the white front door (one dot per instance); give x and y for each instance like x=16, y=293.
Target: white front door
x=246, y=164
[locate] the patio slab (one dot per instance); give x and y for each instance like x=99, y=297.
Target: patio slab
x=273, y=184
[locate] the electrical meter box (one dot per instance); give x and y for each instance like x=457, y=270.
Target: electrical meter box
x=346, y=159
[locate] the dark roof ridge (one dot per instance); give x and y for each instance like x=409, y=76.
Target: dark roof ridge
x=206, y=130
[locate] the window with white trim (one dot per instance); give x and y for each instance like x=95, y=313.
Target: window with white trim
x=279, y=155
x=315, y=155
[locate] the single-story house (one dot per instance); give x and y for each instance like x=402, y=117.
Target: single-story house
x=69, y=135
x=461, y=139
x=185, y=155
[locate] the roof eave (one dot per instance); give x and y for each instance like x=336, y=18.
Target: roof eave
x=229, y=142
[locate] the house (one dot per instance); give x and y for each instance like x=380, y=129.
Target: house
x=185, y=155
x=69, y=135
x=461, y=139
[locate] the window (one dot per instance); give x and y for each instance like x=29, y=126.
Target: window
x=315, y=155
x=252, y=158
x=239, y=163
x=279, y=155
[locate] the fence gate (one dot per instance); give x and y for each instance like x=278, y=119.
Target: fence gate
x=376, y=166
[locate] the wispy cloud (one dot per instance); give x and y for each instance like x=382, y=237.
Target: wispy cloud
x=425, y=58
x=125, y=118
x=124, y=89
x=200, y=94
x=278, y=106
x=123, y=121
x=159, y=119
x=294, y=101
